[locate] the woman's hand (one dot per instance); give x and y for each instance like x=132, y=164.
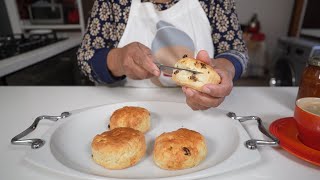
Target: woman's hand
x=133, y=60
x=214, y=94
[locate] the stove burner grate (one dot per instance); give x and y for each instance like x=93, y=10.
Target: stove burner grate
x=15, y=44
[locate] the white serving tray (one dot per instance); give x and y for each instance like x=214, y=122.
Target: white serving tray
x=67, y=150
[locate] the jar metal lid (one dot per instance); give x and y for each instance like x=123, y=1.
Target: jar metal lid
x=314, y=61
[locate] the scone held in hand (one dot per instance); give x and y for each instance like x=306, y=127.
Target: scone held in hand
x=195, y=81
x=179, y=149
x=119, y=148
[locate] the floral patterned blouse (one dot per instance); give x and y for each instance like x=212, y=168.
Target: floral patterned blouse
x=108, y=21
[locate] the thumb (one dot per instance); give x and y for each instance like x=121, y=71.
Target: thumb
x=204, y=56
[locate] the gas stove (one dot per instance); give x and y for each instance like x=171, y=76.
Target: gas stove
x=16, y=44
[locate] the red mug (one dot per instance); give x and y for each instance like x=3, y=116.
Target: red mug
x=307, y=117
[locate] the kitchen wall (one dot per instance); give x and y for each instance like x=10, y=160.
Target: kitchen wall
x=274, y=16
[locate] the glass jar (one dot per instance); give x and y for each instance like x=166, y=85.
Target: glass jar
x=310, y=82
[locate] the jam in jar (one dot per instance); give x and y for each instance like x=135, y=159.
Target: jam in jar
x=310, y=82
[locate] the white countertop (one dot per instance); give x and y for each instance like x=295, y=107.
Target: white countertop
x=20, y=105
x=21, y=61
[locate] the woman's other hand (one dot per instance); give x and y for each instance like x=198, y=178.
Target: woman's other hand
x=133, y=60
x=214, y=94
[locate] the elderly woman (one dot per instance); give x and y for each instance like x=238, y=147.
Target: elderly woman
x=125, y=37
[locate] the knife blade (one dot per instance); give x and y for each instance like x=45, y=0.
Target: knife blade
x=163, y=67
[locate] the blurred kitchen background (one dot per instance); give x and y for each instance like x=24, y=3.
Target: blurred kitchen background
x=39, y=40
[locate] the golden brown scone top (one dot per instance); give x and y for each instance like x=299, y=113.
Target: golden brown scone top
x=179, y=136
x=115, y=138
x=179, y=149
x=184, y=78
x=130, y=116
x=119, y=148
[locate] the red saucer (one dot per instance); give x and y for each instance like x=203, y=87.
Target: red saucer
x=286, y=131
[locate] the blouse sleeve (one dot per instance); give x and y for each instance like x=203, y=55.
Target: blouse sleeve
x=226, y=33
x=105, y=28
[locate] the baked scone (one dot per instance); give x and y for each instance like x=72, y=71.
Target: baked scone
x=119, y=148
x=195, y=81
x=179, y=149
x=134, y=117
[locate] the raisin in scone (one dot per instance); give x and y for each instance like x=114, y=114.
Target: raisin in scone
x=195, y=80
x=179, y=149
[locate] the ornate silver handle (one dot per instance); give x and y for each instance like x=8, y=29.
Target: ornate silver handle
x=254, y=143
x=36, y=143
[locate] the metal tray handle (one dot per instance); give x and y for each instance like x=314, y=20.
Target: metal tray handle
x=36, y=143
x=254, y=143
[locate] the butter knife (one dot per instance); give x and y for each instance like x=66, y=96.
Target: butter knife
x=164, y=67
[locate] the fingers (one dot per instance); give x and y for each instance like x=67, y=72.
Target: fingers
x=135, y=71
x=201, y=100
x=138, y=73
x=204, y=56
x=220, y=90
x=195, y=106
x=143, y=57
x=137, y=62
x=211, y=95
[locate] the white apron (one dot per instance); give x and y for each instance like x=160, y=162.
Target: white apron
x=181, y=30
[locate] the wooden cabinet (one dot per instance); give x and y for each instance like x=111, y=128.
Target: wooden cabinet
x=305, y=19
x=297, y=17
